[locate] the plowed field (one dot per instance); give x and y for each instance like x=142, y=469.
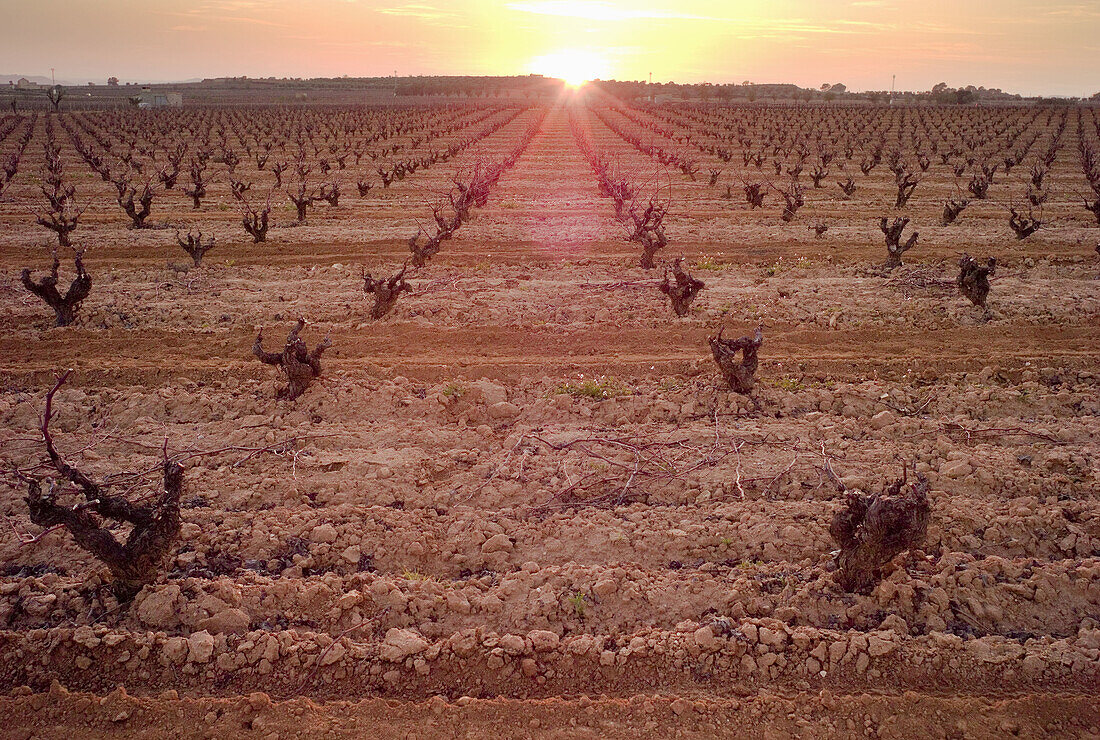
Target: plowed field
x=523, y=502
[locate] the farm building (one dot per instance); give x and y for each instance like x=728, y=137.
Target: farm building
x=157, y=99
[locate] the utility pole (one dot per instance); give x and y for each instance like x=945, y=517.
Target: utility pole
x=53, y=80
x=893, y=82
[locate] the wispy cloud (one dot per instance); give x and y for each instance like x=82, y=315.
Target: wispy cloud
x=412, y=10
x=235, y=6
x=803, y=25
x=216, y=17
x=252, y=20
x=953, y=52
x=600, y=11
x=1072, y=10
x=335, y=43
x=868, y=25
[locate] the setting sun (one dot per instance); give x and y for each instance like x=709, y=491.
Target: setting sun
x=575, y=67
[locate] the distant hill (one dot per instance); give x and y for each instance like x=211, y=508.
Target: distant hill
x=8, y=79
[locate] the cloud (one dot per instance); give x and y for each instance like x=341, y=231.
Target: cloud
x=206, y=15
x=249, y=19
x=599, y=11
x=354, y=44
x=868, y=25
x=235, y=6
x=802, y=25
x=1073, y=10
x=412, y=10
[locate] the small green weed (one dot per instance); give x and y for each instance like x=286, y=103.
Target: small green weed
x=579, y=602
x=781, y=266
x=788, y=383
x=597, y=389
x=706, y=262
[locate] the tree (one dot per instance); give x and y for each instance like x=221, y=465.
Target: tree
x=965, y=96
x=55, y=94
x=839, y=88
x=112, y=81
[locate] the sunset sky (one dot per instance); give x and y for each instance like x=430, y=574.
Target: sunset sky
x=1026, y=47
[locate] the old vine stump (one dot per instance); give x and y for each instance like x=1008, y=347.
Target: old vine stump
x=300, y=365
x=872, y=530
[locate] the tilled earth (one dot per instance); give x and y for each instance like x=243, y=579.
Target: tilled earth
x=524, y=504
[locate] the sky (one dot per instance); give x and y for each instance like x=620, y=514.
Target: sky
x=1024, y=46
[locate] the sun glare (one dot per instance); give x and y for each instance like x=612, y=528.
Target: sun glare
x=572, y=66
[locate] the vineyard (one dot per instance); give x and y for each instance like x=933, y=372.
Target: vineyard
x=590, y=416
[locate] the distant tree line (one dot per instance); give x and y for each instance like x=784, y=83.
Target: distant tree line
x=747, y=91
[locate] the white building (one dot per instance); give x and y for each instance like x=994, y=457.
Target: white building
x=158, y=99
